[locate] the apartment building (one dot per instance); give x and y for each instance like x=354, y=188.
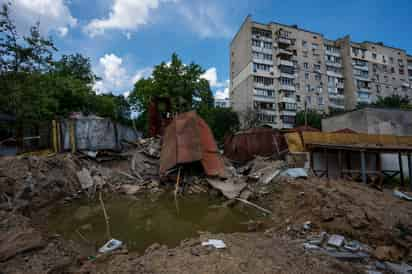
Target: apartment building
x=277, y=70
x=222, y=103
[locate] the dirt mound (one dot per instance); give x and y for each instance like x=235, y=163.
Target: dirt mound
x=36, y=181
x=245, y=253
x=349, y=208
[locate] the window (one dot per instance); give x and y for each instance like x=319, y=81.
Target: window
x=315, y=46
x=297, y=98
x=286, y=81
x=267, y=45
x=384, y=59
x=256, y=43
x=308, y=100
x=263, y=80
x=392, y=70
x=374, y=56
x=304, y=43
x=261, y=32
x=305, y=53
x=378, y=90
x=320, y=100
x=401, y=71
x=308, y=88
x=318, y=76
x=305, y=65
x=264, y=92
x=316, y=67
x=391, y=60
x=306, y=76
x=385, y=78
x=262, y=67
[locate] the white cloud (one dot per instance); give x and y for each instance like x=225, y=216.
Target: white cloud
x=126, y=15
x=206, y=19
x=222, y=94
x=115, y=78
x=53, y=15
x=211, y=76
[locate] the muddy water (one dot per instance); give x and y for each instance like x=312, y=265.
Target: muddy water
x=142, y=221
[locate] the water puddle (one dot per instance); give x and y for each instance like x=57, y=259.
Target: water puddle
x=142, y=221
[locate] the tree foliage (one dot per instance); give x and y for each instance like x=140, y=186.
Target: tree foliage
x=314, y=119
x=221, y=121
x=179, y=82
x=35, y=87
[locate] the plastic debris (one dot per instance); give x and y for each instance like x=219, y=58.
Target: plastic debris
x=215, y=243
x=295, y=173
x=336, y=240
x=402, y=195
x=399, y=268
x=111, y=245
x=307, y=225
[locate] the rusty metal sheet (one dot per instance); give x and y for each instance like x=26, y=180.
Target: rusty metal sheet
x=189, y=139
x=245, y=145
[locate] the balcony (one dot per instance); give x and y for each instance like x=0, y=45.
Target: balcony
x=333, y=64
x=265, y=99
x=288, y=75
x=261, y=37
x=361, y=67
x=287, y=87
x=290, y=99
x=364, y=100
x=263, y=61
x=333, y=53
x=284, y=40
x=285, y=63
x=362, y=77
x=287, y=112
x=334, y=74
x=409, y=66
x=284, y=52
x=262, y=49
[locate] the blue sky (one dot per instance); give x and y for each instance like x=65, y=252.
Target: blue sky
x=126, y=38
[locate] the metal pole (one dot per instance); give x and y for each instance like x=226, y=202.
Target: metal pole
x=401, y=168
x=363, y=166
x=410, y=169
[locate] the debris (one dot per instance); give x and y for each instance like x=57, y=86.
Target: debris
x=218, y=244
x=336, y=240
x=352, y=246
x=85, y=178
x=387, y=253
x=130, y=189
x=189, y=139
x=106, y=217
x=399, y=268
x=309, y=246
x=89, y=153
x=228, y=188
x=111, y=245
x=295, y=173
x=254, y=205
x=307, y=225
x=15, y=242
x=342, y=255
x=402, y=195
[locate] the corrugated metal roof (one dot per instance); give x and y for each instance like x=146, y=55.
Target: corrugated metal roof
x=189, y=139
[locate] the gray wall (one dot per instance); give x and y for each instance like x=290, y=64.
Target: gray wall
x=372, y=121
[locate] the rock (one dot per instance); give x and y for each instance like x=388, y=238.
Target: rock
x=130, y=189
x=387, y=253
x=15, y=242
x=336, y=240
x=228, y=188
x=85, y=178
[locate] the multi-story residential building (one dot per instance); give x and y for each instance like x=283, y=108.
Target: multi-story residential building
x=277, y=69
x=222, y=103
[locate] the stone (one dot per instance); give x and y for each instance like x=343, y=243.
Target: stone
x=336, y=240
x=387, y=253
x=85, y=178
x=399, y=268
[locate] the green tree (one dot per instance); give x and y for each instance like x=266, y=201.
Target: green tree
x=76, y=66
x=179, y=82
x=313, y=118
x=221, y=121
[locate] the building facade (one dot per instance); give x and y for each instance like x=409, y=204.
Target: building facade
x=222, y=103
x=277, y=70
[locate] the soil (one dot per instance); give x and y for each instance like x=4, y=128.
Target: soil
x=30, y=185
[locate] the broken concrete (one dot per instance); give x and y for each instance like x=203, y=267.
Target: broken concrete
x=228, y=188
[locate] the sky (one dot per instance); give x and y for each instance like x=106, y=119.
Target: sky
x=125, y=38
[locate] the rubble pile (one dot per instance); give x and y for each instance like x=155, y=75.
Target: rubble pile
x=347, y=208
x=36, y=181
